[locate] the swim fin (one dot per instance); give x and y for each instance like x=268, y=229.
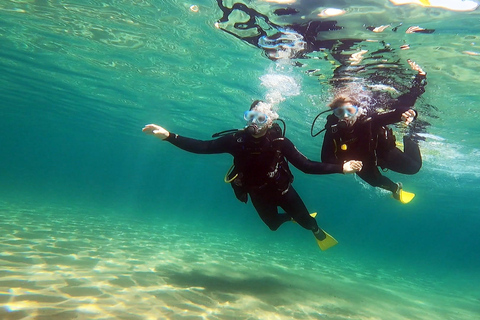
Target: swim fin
x=326, y=243
x=406, y=197
x=403, y=196
x=313, y=215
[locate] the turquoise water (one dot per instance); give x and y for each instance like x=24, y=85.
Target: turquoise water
x=100, y=221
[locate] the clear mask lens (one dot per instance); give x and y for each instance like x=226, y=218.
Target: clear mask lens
x=255, y=117
x=345, y=111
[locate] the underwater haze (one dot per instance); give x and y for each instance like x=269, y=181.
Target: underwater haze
x=100, y=221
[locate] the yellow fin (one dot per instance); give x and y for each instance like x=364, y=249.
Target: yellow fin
x=326, y=243
x=425, y=2
x=406, y=197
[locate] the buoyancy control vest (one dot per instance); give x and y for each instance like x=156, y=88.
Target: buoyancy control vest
x=361, y=141
x=259, y=164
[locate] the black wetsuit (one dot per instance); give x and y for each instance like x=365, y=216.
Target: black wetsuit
x=372, y=142
x=262, y=172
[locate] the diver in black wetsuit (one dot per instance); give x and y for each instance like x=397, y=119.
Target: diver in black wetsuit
x=360, y=132
x=261, y=170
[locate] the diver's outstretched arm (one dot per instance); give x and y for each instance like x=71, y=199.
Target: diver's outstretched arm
x=306, y=165
x=402, y=107
x=221, y=145
x=410, y=115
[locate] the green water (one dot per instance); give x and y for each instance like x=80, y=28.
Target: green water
x=100, y=221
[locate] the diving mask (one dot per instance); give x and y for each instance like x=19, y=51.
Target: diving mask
x=345, y=111
x=255, y=117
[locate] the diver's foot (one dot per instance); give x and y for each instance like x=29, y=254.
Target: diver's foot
x=319, y=234
x=402, y=195
x=396, y=194
x=324, y=240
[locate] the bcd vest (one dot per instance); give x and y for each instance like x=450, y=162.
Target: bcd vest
x=259, y=164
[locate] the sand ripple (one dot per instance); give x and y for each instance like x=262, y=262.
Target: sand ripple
x=58, y=264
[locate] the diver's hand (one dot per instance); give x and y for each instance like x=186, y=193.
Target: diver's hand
x=156, y=130
x=352, y=166
x=408, y=116
x=416, y=67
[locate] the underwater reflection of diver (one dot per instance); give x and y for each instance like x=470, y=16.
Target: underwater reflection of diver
x=277, y=41
x=282, y=45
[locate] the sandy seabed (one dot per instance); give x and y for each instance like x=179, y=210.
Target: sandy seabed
x=61, y=264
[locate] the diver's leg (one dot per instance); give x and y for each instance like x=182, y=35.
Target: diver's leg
x=371, y=175
x=295, y=207
x=412, y=150
x=267, y=210
x=408, y=162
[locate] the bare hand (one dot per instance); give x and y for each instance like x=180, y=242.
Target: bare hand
x=408, y=116
x=156, y=130
x=352, y=166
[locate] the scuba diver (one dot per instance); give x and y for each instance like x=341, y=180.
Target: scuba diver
x=358, y=130
x=260, y=168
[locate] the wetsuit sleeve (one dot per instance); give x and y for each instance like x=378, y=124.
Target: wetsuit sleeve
x=221, y=145
x=403, y=103
x=304, y=164
x=407, y=100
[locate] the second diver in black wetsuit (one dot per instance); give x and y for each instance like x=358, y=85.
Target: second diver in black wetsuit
x=360, y=132
x=261, y=169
